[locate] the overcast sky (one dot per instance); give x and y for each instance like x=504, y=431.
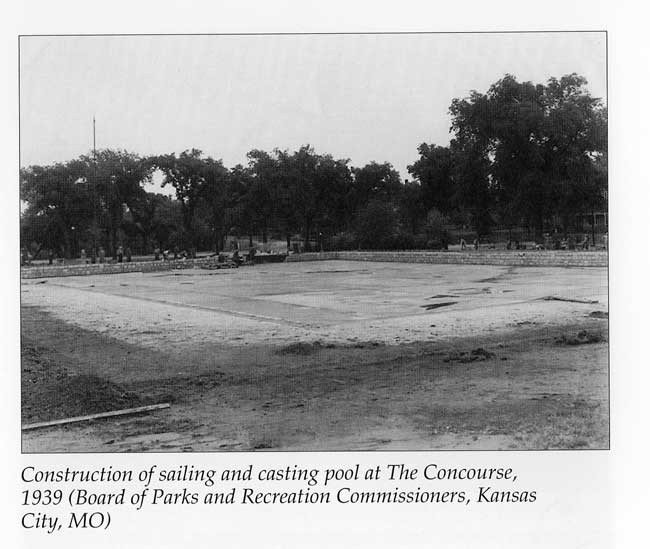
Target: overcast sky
x=362, y=97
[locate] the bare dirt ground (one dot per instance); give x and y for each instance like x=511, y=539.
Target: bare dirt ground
x=320, y=356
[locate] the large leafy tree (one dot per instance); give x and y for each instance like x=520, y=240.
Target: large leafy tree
x=332, y=184
x=576, y=148
x=241, y=217
x=82, y=203
x=312, y=190
x=473, y=191
x=297, y=192
x=261, y=197
x=372, y=182
x=218, y=195
x=434, y=171
x=58, y=206
x=294, y=191
x=116, y=178
x=376, y=225
x=536, y=147
x=187, y=174
x=412, y=206
x=155, y=218
x=471, y=151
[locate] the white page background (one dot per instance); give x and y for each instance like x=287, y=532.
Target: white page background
x=586, y=498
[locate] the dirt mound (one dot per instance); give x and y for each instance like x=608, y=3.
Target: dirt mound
x=300, y=348
x=583, y=337
x=49, y=392
x=478, y=354
x=307, y=348
x=598, y=314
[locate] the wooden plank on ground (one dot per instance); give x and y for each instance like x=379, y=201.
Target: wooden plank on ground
x=77, y=419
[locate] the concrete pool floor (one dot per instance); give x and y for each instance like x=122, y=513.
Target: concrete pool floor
x=327, y=301
x=330, y=355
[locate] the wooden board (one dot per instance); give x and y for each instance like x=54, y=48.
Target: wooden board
x=101, y=415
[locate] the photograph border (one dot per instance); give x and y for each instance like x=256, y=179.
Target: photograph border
x=347, y=33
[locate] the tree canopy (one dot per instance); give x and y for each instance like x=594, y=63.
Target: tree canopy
x=521, y=155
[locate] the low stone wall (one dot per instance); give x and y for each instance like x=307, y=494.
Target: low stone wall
x=522, y=258
x=47, y=271
x=316, y=256
x=531, y=258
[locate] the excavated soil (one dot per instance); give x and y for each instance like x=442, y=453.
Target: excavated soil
x=518, y=390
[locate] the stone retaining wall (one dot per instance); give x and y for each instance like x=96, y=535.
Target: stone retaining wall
x=523, y=258
x=46, y=271
x=493, y=257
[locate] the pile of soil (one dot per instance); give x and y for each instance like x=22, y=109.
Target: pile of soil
x=598, y=314
x=300, y=348
x=49, y=392
x=478, y=354
x=583, y=337
x=307, y=348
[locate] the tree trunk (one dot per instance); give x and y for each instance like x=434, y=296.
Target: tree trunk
x=593, y=228
x=539, y=227
x=565, y=225
x=188, y=215
x=306, y=237
x=218, y=222
x=145, y=243
x=217, y=241
x=66, y=244
x=114, y=242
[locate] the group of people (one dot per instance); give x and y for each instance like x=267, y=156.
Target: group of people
x=121, y=255
x=236, y=257
x=159, y=254
x=463, y=244
x=570, y=243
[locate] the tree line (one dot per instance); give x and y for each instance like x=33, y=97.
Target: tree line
x=521, y=155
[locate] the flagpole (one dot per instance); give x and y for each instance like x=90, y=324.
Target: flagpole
x=94, y=259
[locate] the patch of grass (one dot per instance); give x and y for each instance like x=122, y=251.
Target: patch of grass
x=564, y=422
x=581, y=338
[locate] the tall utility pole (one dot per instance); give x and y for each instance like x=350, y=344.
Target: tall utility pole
x=94, y=186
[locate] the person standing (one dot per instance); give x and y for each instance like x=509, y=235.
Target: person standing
x=120, y=254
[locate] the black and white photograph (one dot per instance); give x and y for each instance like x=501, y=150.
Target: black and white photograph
x=314, y=242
